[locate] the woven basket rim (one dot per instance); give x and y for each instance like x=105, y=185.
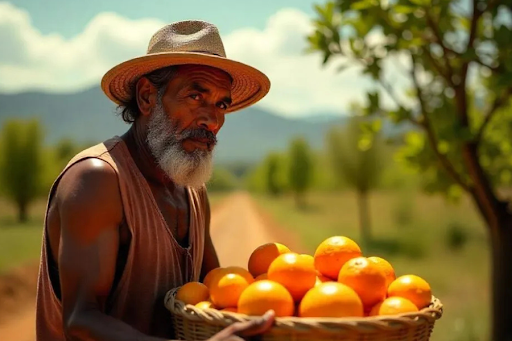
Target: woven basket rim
x=367, y=324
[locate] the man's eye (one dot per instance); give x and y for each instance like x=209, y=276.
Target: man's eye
x=197, y=97
x=222, y=105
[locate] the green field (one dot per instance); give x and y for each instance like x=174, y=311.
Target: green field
x=21, y=243
x=412, y=232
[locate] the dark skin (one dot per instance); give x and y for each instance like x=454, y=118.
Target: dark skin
x=88, y=236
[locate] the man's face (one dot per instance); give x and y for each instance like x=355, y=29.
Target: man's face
x=184, y=123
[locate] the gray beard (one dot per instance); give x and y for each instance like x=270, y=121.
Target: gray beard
x=183, y=168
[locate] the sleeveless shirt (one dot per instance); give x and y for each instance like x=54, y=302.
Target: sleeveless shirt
x=155, y=263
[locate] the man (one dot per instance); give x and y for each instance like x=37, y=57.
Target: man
x=128, y=219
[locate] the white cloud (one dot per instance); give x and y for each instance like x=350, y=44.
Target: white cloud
x=35, y=61
x=299, y=84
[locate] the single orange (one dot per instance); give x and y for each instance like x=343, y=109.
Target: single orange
x=295, y=272
x=413, y=288
x=331, y=299
x=227, y=290
x=205, y=305
x=210, y=276
x=366, y=278
x=333, y=253
x=393, y=306
x=260, y=277
x=263, y=255
x=192, y=293
x=264, y=295
x=231, y=270
x=386, y=267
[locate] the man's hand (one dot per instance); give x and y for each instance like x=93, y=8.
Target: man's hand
x=236, y=331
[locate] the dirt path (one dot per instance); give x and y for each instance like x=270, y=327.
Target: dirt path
x=238, y=226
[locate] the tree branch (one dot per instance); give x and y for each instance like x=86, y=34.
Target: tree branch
x=497, y=104
x=446, y=50
x=445, y=73
x=426, y=124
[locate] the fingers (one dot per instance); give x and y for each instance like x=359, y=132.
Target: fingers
x=246, y=329
x=256, y=326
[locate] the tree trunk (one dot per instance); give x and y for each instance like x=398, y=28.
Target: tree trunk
x=501, y=241
x=364, y=217
x=22, y=211
x=499, y=223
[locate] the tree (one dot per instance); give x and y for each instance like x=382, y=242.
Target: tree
x=21, y=163
x=300, y=171
x=356, y=164
x=273, y=165
x=458, y=65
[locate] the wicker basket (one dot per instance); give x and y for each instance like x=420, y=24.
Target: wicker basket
x=191, y=323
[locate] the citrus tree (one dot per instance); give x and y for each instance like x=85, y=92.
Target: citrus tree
x=456, y=57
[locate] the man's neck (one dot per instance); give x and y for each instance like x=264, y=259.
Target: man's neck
x=136, y=142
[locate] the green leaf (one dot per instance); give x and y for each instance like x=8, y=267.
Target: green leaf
x=402, y=9
x=363, y=4
x=422, y=2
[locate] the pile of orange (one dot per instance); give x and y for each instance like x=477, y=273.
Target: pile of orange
x=337, y=281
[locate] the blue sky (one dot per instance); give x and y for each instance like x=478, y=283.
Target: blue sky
x=67, y=45
x=68, y=17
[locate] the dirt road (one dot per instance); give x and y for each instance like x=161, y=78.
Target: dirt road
x=237, y=228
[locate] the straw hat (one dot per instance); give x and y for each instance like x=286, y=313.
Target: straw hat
x=187, y=42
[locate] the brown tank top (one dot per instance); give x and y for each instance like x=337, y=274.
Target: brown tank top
x=156, y=262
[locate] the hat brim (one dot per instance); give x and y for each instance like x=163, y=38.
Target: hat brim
x=249, y=84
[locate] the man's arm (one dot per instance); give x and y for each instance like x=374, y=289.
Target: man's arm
x=210, y=258
x=90, y=209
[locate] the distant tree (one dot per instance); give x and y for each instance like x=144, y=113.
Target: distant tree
x=456, y=57
x=357, y=163
x=222, y=180
x=273, y=165
x=65, y=149
x=21, y=163
x=300, y=171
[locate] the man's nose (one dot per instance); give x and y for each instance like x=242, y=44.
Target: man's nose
x=209, y=120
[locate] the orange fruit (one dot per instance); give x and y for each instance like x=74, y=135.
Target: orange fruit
x=210, y=276
x=295, y=272
x=412, y=287
x=205, y=305
x=261, y=277
x=227, y=290
x=308, y=256
x=386, y=267
x=263, y=255
x=393, y=306
x=331, y=299
x=264, y=295
x=231, y=270
x=333, y=253
x=366, y=278
x=193, y=293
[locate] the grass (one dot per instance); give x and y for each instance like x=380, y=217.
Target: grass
x=21, y=243
x=420, y=245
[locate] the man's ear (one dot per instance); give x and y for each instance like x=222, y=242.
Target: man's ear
x=146, y=95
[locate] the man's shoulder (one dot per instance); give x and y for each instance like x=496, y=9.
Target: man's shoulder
x=96, y=150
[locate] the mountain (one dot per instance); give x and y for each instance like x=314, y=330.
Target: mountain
x=90, y=117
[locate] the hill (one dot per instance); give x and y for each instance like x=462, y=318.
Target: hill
x=89, y=117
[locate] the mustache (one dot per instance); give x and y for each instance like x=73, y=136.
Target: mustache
x=199, y=134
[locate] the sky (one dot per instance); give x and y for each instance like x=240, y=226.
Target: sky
x=62, y=46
